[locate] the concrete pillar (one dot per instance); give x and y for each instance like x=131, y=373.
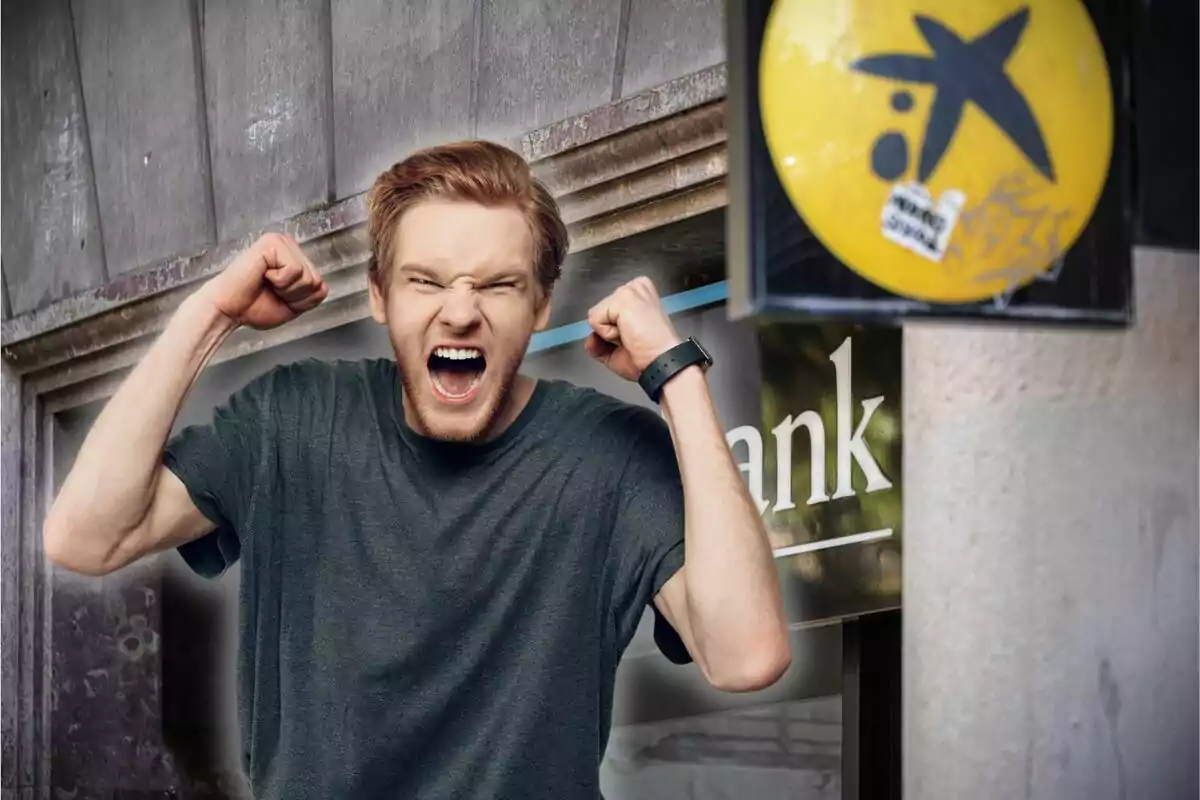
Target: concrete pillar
x=1050, y=557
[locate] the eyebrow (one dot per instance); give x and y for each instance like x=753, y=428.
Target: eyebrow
x=420, y=269
x=507, y=275
x=516, y=274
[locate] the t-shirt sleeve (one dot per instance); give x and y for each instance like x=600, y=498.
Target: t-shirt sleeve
x=217, y=463
x=648, y=531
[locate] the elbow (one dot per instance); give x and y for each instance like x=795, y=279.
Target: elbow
x=55, y=540
x=60, y=545
x=758, y=667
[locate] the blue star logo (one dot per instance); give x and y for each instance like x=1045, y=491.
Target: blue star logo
x=962, y=71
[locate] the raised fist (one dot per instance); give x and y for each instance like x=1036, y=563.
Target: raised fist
x=630, y=329
x=267, y=285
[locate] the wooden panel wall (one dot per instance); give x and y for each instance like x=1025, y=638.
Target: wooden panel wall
x=143, y=91
x=401, y=80
x=267, y=91
x=51, y=230
x=670, y=38
x=542, y=60
x=139, y=130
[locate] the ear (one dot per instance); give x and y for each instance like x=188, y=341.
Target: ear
x=378, y=302
x=542, y=318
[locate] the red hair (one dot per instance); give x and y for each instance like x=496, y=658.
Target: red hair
x=475, y=171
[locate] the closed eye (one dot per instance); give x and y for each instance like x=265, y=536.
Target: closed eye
x=423, y=282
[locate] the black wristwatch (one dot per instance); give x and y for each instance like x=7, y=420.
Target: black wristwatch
x=670, y=364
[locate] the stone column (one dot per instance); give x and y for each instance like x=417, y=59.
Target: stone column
x=1050, y=586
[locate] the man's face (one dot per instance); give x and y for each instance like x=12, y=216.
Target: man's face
x=460, y=310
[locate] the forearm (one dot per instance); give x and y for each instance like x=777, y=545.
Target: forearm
x=111, y=485
x=733, y=596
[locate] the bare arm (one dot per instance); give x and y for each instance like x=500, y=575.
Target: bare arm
x=725, y=603
x=118, y=503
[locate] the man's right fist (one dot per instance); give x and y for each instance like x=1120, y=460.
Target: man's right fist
x=267, y=285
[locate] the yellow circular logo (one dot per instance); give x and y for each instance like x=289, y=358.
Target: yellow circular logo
x=947, y=150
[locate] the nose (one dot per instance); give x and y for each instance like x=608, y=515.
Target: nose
x=460, y=308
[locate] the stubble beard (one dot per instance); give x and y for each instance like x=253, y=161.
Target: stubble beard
x=426, y=415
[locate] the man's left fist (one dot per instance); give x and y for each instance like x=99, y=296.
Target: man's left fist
x=630, y=329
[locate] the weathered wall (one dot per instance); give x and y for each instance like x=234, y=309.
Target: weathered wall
x=1050, y=565
x=49, y=219
x=139, y=130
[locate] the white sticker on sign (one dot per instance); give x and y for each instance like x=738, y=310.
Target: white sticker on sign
x=912, y=220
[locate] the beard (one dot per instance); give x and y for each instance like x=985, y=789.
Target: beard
x=472, y=423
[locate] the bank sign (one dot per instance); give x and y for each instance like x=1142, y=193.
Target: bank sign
x=928, y=158
x=824, y=465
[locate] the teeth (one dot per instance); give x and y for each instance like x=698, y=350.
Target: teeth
x=457, y=353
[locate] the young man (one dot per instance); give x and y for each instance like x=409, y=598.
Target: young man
x=442, y=559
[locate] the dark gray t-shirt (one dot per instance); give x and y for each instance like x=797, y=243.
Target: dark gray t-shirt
x=422, y=619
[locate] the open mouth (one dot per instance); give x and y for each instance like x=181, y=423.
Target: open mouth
x=455, y=373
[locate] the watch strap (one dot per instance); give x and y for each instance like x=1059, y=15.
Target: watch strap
x=670, y=364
